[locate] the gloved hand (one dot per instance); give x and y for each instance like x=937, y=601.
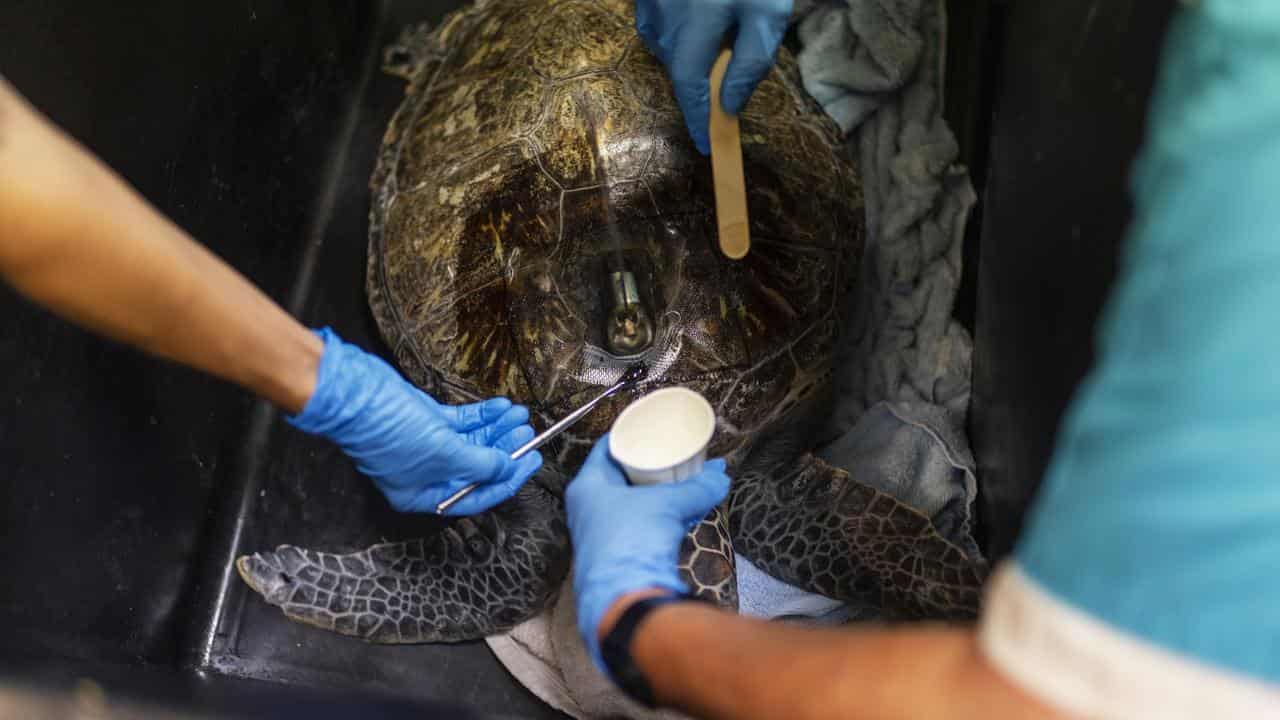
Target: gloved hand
x=416, y=450
x=686, y=35
x=627, y=538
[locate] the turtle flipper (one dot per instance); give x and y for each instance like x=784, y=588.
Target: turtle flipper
x=706, y=561
x=478, y=576
x=820, y=530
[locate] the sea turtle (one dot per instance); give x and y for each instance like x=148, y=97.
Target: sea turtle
x=540, y=221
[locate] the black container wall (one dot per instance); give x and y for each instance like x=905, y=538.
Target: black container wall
x=223, y=117
x=1070, y=94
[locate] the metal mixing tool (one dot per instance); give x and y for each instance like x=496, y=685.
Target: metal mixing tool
x=633, y=375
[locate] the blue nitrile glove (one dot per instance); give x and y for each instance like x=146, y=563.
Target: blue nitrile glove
x=626, y=537
x=416, y=450
x=686, y=35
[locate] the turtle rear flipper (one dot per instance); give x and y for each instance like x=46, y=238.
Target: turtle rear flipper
x=820, y=530
x=477, y=577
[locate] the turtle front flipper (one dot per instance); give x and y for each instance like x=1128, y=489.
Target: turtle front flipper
x=706, y=561
x=822, y=531
x=478, y=576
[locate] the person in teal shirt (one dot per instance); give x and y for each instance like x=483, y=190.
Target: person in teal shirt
x=1147, y=582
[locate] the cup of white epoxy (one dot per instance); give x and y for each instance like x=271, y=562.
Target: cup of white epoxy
x=663, y=436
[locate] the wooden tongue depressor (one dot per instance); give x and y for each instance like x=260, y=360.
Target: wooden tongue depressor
x=726, y=171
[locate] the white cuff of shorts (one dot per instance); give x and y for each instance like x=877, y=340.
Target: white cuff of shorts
x=1080, y=665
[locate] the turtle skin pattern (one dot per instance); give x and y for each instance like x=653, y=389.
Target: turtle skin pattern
x=451, y=587
x=538, y=148
x=706, y=561
x=817, y=529
x=447, y=587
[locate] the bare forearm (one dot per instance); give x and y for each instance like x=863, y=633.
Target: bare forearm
x=77, y=239
x=716, y=665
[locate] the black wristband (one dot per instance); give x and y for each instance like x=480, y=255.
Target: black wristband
x=615, y=649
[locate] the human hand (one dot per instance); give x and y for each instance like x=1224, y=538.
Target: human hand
x=416, y=450
x=686, y=36
x=627, y=538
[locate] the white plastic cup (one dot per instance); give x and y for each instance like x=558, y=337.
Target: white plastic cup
x=663, y=436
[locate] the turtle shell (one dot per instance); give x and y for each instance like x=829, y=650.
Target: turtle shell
x=539, y=148
x=537, y=152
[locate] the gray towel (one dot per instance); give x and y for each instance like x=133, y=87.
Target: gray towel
x=857, y=54
x=902, y=343
x=903, y=374
x=915, y=452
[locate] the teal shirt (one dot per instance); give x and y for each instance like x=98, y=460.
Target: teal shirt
x=1160, y=513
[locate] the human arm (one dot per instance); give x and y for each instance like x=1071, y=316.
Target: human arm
x=686, y=35
x=74, y=237
x=77, y=239
x=713, y=664
x=694, y=656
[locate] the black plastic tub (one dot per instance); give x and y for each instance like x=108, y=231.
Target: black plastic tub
x=127, y=485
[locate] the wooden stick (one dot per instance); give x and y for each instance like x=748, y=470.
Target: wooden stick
x=726, y=171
